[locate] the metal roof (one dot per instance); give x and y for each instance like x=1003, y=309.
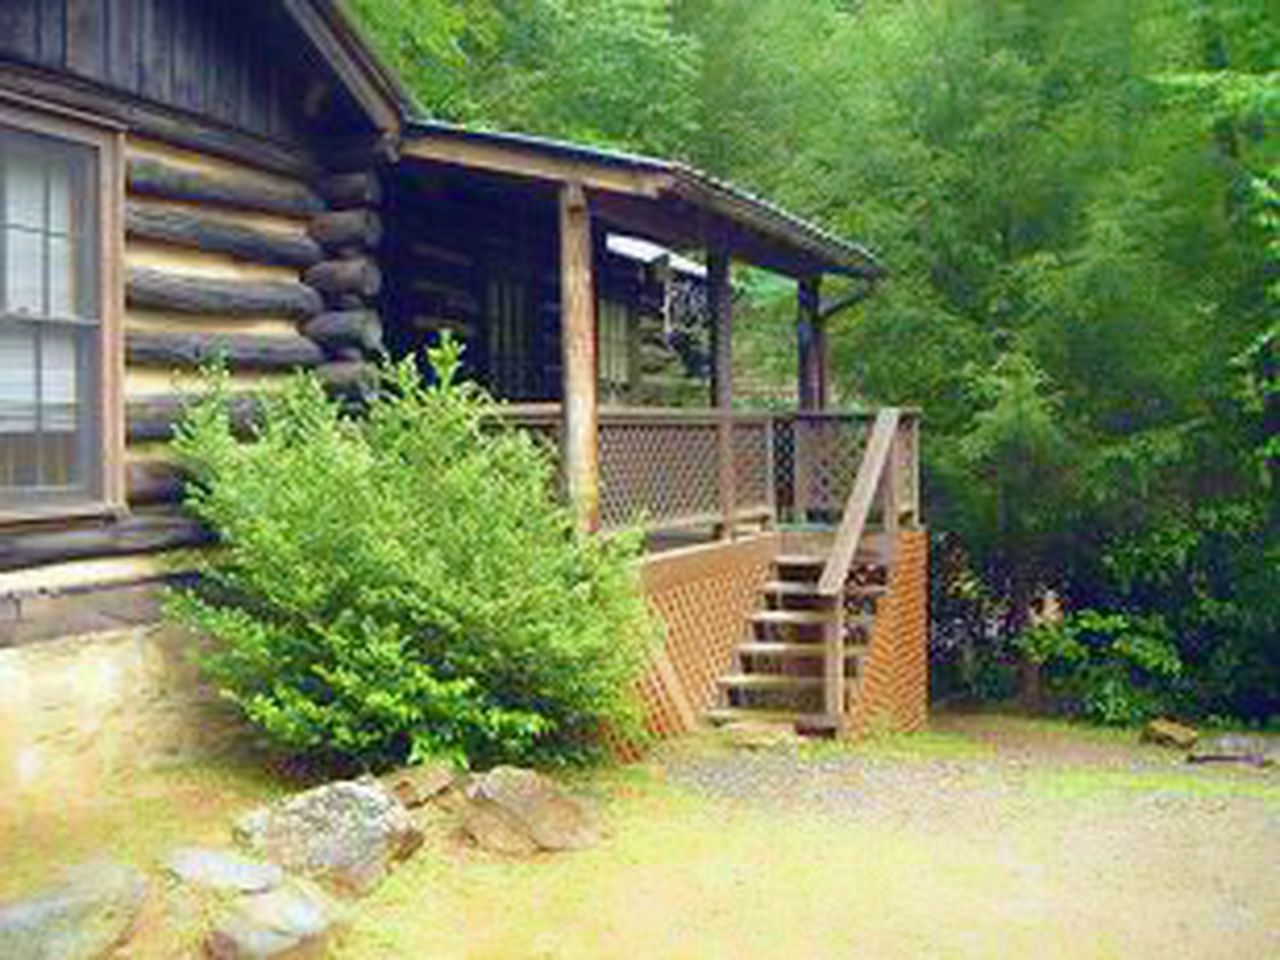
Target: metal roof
x=733, y=202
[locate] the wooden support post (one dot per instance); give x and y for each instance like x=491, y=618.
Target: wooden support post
x=812, y=346
x=720, y=300
x=580, y=433
x=833, y=686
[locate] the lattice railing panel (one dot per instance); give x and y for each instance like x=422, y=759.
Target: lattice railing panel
x=753, y=465
x=657, y=472
x=816, y=459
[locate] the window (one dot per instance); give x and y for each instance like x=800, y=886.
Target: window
x=55, y=413
x=615, y=350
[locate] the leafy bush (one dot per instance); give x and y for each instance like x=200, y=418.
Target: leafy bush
x=1109, y=667
x=405, y=584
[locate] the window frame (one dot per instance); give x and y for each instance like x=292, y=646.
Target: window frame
x=106, y=139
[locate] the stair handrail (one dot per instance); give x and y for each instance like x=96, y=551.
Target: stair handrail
x=875, y=461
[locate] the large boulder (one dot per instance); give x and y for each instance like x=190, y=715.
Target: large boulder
x=85, y=918
x=515, y=811
x=1169, y=733
x=296, y=920
x=417, y=786
x=222, y=871
x=348, y=834
x=1254, y=751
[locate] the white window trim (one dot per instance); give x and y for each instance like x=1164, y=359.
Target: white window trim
x=107, y=139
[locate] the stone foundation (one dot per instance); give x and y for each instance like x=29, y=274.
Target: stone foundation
x=76, y=711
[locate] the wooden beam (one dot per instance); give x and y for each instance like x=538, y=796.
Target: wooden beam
x=345, y=191
x=720, y=303
x=359, y=276
x=580, y=434
x=194, y=228
x=241, y=351
x=152, y=419
x=185, y=293
x=359, y=229
x=530, y=163
x=151, y=177
x=339, y=329
x=141, y=532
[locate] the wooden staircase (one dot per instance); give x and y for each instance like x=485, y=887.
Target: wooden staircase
x=779, y=670
x=802, y=659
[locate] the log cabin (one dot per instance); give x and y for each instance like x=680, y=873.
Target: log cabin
x=187, y=178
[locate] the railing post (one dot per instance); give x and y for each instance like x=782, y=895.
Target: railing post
x=833, y=697
x=800, y=467
x=720, y=292
x=770, y=471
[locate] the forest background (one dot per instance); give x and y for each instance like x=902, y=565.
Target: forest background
x=1077, y=203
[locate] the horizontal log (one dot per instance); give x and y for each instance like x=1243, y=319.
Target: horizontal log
x=359, y=276
x=232, y=298
x=191, y=228
x=158, y=178
x=153, y=481
x=343, y=229
x=349, y=378
x=240, y=351
x=152, y=419
x=148, y=531
x=346, y=190
x=361, y=329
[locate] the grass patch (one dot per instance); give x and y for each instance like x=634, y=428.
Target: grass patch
x=136, y=820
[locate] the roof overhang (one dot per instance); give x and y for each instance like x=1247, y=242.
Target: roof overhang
x=669, y=203
x=376, y=88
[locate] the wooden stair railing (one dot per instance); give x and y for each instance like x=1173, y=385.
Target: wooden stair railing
x=794, y=664
x=877, y=472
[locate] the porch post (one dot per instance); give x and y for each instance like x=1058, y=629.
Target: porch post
x=812, y=344
x=580, y=429
x=720, y=301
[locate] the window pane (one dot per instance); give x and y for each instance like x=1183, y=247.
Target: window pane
x=17, y=406
x=24, y=272
x=62, y=279
x=23, y=187
x=48, y=368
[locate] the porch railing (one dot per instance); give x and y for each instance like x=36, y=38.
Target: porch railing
x=660, y=468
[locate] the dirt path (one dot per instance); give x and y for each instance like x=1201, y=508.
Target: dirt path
x=993, y=838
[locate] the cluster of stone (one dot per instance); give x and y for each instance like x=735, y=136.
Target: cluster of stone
x=288, y=891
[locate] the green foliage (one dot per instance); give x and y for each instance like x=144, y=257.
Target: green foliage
x=405, y=584
x=1077, y=197
x=1112, y=668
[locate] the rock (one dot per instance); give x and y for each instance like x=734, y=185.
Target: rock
x=347, y=833
x=91, y=914
x=758, y=735
x=417, y=786
x=510, y=810
x=295, y=920
x=222, y=871
x=1235, y=748
x=1169, y=733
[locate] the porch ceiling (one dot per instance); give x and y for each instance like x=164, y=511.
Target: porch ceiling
x=670, y=203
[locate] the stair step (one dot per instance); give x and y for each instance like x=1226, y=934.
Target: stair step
x=795, y=650
x=792, y=617
x=769, y=681
x=813, y=560
x=804, y=722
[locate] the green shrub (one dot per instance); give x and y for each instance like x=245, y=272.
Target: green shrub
x=1109, y=667
x=405, y=584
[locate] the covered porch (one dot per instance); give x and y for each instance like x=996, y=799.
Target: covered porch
x=595, y=294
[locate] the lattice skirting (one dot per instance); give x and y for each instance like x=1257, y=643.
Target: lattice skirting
x=893, y=693
x=703, y=596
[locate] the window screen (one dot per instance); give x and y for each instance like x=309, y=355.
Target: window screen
x=50, y=319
